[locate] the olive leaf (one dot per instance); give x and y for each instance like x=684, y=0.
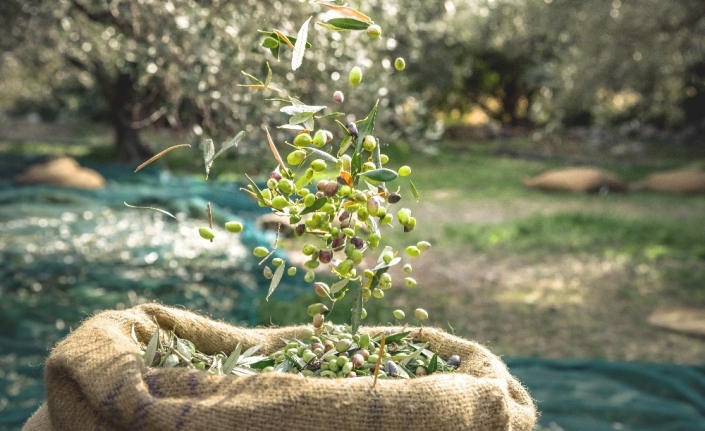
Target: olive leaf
x=291, y=127
x=208, y=152
x=150, y=208
x=433, y=364
x=152, y=348
x=300, y=109
x=346, y=11
x=339, y=285
x=232, y=360
x=357, y=310
x=322, y=154
x=338, y=24
x=394, y=337
x=414, y=191
x=414, y=355
x=317, y=204
x=255, y=190
x=263, y=363
x=382, y=174
x=300, y=118
x=300, y=46
x=161, y=153
x=366, y=128
x=276, y=278
x=231, y=143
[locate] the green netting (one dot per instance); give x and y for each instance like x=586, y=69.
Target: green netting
x=67, y=253
x=594, y=395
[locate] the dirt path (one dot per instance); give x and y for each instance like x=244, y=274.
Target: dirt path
x=569, y=305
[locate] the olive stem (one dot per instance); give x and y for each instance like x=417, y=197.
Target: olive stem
x=379, y=360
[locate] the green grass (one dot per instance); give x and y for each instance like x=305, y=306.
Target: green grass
x=539, y=236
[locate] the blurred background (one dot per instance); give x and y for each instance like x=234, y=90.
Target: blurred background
x=594, y=293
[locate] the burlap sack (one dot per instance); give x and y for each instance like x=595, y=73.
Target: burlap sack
x=62, y=171
x=685, y=181
x=583, y=180
x=95, y=379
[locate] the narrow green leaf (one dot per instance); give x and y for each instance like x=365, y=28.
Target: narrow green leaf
x=330, y=27
x=338, y=286
x=355, y=166
x=264, y=363
x=382, y=174
x=275, y=52
x=270, y=42
x=150, y=208
x=291, y=127
x=300, y=46
x=322, y=154
x=232, y=360
x=331, y=115
x=357, y=310
x=244, y=371
x=414, y=191
x=317, y=204
x=295, y=361
x=268, y=80
x=377, y=156
x=300, y=118
x=348, y=23
x=252, y=350
x=414, y=355
x=256, y=190
x=208, y=152
x=232, y=143
x=252, y=78
x=344, y=145
x=278, y=274
x=391, y=263
x=152, y=348
x=298, y=109
x=396, y=337
x=366, y=128
x=433, y=364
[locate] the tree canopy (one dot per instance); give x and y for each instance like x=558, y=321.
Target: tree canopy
x=179, y=62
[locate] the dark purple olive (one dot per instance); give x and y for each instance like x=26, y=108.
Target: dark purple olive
x=357, y=242
x=391, y=369
x=454, y=361
x=300, y=229
x=314, y=365
x=321, y=185
x=338, y=243
x=394, y=198
x=325, y=256
x=330, y=189
x=352, y=129
x=275, y=175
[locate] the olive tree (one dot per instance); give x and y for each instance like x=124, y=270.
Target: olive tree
x=181, y=61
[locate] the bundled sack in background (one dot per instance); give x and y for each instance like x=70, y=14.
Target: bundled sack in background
x=96, y=379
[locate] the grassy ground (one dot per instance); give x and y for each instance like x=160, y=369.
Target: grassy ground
x=526, y=272
x=549, y=274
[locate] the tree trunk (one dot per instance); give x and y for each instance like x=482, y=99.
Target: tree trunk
x=130, y=148
x=122, y=98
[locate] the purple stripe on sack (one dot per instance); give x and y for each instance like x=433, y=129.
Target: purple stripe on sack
x=155, y=387
x=193, y=383
x=182, y=417
x=139, y=418
x=109, y=402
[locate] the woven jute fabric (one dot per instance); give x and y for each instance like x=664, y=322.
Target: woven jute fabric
x=582, y=180
x=96, y=380
x=684, y=181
